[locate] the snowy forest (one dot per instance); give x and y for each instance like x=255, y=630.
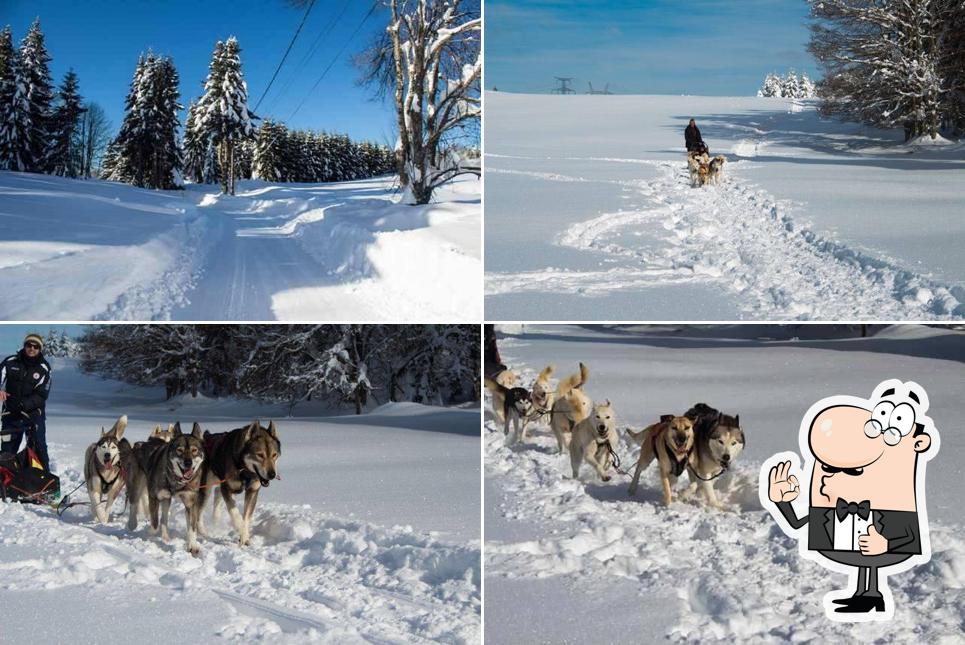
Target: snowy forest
x=342, y=364
x=428, y=61
x=788, y=86
x=48, y=131
x=892, y=63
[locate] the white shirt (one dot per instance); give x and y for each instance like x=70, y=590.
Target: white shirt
x=848, y=530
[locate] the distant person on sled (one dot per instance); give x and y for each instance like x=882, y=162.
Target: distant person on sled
x=24, y=387
x=695, y=143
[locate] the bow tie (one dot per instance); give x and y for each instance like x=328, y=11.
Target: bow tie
x=842, y=509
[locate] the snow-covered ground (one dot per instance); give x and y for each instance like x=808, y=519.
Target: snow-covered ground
x=582, y=561
x=82, y=250
x=371, y=535
x=590, y=214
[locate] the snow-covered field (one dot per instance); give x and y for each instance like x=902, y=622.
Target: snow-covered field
x=82, y=250
x=582, y=561
x=590, y=214
x=371, y=535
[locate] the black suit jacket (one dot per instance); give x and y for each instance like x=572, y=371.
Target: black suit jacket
x=900, y=528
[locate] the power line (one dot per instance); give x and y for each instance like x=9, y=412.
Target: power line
x=311, y=52
x=287, y=51
x=336, y=57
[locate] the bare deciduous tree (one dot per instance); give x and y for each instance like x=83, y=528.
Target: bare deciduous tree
x=431, y=60
x=93, y=135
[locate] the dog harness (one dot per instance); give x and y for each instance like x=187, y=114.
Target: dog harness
x=679, y=462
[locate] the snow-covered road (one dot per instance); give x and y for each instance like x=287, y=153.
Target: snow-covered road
x=81, y=250
x=590, y=214
x=583, y=561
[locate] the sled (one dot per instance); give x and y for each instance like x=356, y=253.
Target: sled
x=24, y=479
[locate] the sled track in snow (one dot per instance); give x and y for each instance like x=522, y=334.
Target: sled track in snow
x=732, y=574
x=309, y=575
x=740, y=238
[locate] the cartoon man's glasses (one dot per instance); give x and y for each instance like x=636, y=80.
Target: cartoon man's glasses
x=892, y=421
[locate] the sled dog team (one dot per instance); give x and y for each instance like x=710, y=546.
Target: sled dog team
x=188, y=466
x=703, y=441
x=704, y=169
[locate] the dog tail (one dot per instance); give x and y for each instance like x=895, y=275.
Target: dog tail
x=636, y=436
x=572, y=382
x=545, y=374
x=493, y=386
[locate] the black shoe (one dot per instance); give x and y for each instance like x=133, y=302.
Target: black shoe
x=848, y=600
x=861, y=604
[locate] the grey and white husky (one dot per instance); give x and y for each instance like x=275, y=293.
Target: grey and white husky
x=718, y=441
x=161, y=470
x=103, y=469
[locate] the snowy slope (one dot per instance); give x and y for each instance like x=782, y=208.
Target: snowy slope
x=371, y=535
x=815, y=219
x=570, y=561
x=340, y=251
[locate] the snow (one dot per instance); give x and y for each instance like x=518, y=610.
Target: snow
x=336, y=251
x=570, y=561
x=372, y=534
x=589, y=210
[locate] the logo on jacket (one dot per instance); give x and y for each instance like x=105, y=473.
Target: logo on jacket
x=865, y=512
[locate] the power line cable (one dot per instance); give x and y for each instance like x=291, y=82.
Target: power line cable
x=287, y=51
x=334, y=59
x=311, y=52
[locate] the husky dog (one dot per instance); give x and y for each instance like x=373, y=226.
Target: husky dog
x=517, y=406
x=671, y=441
x=571, y=406
x=162, y=435
x=594, y=441
x=541, y=396
x=507, y=378
x=719, y=439
x=244, y=459
x=716, y=169
x=162, y=470
x=103, y=469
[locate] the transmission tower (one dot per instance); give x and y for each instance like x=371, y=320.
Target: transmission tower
x=564, y=87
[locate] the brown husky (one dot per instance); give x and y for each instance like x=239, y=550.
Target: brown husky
x=671, y=441
x=242, y=460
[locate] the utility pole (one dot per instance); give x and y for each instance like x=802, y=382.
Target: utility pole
x=564, y=87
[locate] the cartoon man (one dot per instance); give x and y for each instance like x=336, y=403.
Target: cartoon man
x=867, y=503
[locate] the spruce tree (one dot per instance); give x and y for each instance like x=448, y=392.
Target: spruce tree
x=36, y=73
x=63, y=157
x=225, y=116
x=14, y=108
x=195, y=146
x=121, y=152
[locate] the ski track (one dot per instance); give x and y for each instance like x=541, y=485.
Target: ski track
x=306, y=577
x=734, y=574
x=736, y=236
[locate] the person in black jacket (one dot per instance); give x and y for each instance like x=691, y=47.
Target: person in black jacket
x=692, y=138
x=24, y=387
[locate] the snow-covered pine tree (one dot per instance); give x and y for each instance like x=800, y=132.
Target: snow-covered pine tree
x=225, y=116
x=266, y=163
x=951, y=44
x=36, y=74
x=771, y=86
x=195, y=146
x=14, y=108
x=806, y=87
x=63, y=155
x=157, y=142
x=121, y=157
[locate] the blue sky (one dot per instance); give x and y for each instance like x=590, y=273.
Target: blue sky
x=101, y=40
x=12, y=335
x=709, y=47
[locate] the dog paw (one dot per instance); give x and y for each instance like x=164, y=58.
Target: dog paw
x=195, y=550
x=606, y=478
